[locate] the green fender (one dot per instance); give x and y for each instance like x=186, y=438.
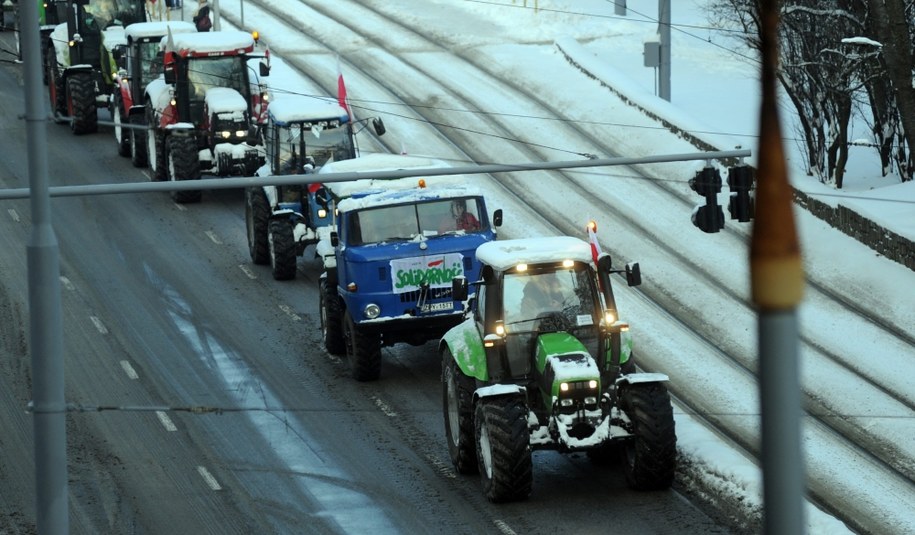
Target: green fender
x=466, y=346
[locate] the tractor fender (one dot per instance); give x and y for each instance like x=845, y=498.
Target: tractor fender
x=499, y=390
x=634, y=378
x=58, y=43
x=136, y=109
x=466, y=347
x=282, y=213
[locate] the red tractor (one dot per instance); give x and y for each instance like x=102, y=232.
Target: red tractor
x=201, y=113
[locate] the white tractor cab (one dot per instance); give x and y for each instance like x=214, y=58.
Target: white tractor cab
x=300, y=135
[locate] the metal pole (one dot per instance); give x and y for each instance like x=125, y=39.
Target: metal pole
x=664, y=32
x=241, y=9
x=46, y=339
x=217, y=23
x=777, y=283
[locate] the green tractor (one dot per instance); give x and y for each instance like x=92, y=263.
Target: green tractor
x=542, y=361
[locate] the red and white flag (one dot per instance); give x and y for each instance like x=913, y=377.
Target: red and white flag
x=341, y=90
x=592, y=238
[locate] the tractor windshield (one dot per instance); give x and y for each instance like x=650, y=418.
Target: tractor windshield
x=564, y=298
x=329, y=143
x=150, y=59
x=206, y=73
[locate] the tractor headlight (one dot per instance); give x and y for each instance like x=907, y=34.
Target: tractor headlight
x=322, y=213
x=241, y=133
x=225, y=134
x=371, y=311
x=566, y=402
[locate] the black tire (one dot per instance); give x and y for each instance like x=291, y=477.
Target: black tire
x=44, y=58
x=650, y=456
x=56, y=90
x=457, y=408
x=155, y=146
x=363, y=351
x=182, y=164
x=257, y=215
x=121, y=134
x=81, y=103
x=504, y=449
x=137, y=138
x=331, y=310
x=281, y=244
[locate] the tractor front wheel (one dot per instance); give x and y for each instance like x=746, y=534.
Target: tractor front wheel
x=503, y=449
x=650, y=456
x=363, y=351
x=457, y=401
x=138, y=141
x=281, y=244
x=257, y=215
x=121, y=136
x=183, y=165
x=331, y=311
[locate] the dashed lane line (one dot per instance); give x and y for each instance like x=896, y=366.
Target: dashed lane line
x=128, y=369
x=208, y=478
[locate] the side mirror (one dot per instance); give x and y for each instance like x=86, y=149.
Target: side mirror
x=168, y=66
x=378, y=125
x=253, y=135
x=497, y=218
x=459, y=288
x=264, y=69
x=633, y=274
x=334, y=238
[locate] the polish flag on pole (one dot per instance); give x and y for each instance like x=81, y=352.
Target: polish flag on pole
x=592, y=238
x=341, y=90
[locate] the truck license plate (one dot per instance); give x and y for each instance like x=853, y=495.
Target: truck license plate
x=437, y=307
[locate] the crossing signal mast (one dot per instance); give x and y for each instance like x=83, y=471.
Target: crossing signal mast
x=709, y=217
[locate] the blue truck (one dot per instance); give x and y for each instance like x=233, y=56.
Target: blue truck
x=389, y=263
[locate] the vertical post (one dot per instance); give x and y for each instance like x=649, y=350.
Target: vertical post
x=664, y=33
x=777, y=283
x=46, y=339
x=241, y=9
x=217, y=18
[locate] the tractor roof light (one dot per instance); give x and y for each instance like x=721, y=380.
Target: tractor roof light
x=521, y=268
x=422, y=183
x=568, y=263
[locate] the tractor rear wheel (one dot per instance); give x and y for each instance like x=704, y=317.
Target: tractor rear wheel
x=81, y=103
x=137, y=137
x=363, y=351
x=650, y=456
x=503, y=449
x=257, y=215
x=457, y=401
x=281, y=243
x=121, y=135
x=331, y=311
x=183, y=165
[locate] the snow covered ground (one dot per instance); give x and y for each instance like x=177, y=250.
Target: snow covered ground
x=715, y=97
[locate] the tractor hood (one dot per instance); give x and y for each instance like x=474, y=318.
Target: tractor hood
x=562, y=358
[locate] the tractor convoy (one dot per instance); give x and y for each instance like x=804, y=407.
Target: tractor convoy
x=533, y=352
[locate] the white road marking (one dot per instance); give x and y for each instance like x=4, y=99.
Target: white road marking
x=212, y=235
x=166, y=421
x=180, y=207
x=128, y=369
x=66, y=282
x=503, y=527
x=247, y=271
x=385, y=408
x=13, y=214
x=289, y=312
x=208, y=477
x=98, y=324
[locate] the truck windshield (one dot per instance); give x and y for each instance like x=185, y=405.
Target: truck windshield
x=409, y=221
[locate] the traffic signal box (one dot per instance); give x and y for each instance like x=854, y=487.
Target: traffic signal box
x=707, y=183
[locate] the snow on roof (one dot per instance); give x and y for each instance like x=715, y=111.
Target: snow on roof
x=224, y=99
x=114, y=36
x=504, y=254
x=385, y=162
x=211, y=42
x=141, y=30
x=299, y=108
x=403, y=196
